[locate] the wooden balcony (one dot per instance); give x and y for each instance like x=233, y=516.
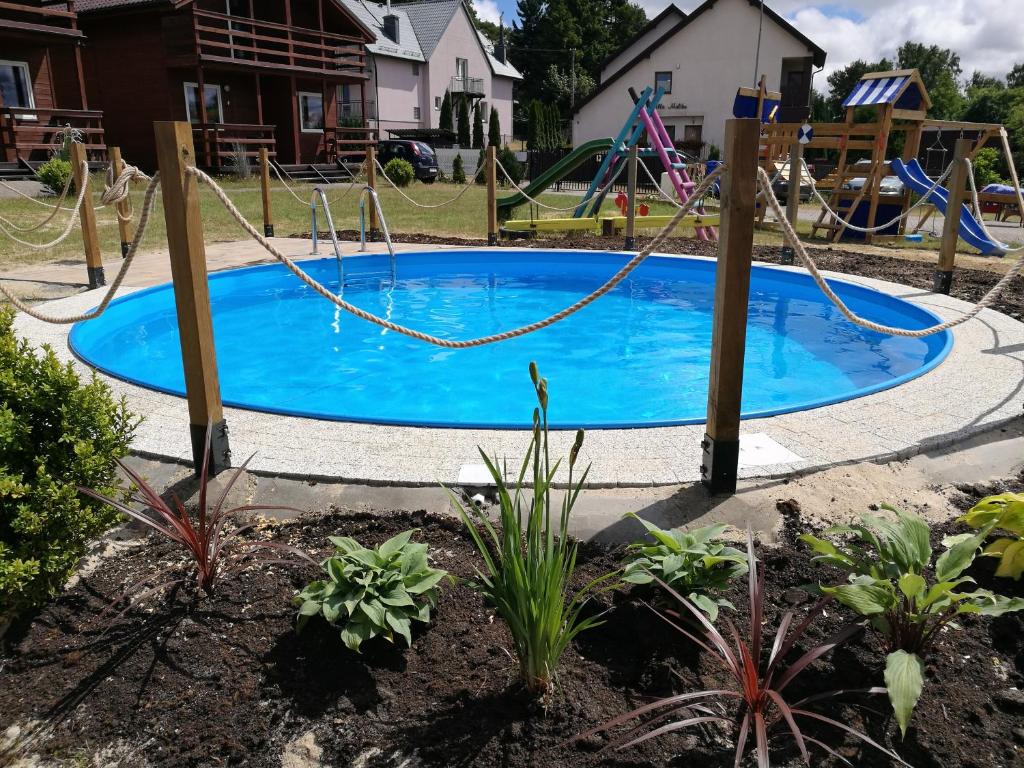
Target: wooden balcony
x=263, y=45
x=348, y=142
x=33, y=19
x=30, y=134
x=219, y=144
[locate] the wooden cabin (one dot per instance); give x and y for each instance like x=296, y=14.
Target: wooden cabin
x=246, y=73
x=42, y=84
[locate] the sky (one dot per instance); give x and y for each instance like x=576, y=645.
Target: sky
x=988, y=34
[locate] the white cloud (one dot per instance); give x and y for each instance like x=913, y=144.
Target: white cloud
x=487, y=10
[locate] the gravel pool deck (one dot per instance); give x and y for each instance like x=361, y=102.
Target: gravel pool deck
x=978, y=387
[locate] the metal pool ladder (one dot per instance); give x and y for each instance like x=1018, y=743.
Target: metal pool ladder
x=320, y=195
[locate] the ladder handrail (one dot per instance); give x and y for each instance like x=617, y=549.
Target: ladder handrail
x=368, y=190
x=318, y=192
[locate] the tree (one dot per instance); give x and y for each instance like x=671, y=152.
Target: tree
x=464, y=137
x=940, y=71
x=560, y=88
x=493, y=129
x=478, y=127
x=980, y=80
x=1015, y=77
x=446, y=112
x=481, y=160
x=458, y=171
x=534, y=125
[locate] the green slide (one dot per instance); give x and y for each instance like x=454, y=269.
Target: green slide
x=555, y=173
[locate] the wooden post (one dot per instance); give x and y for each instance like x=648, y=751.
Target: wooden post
x=492, y=196
x=175, y=152
x=634, y=154
x=87, y=216
x=371, y=182
x=721, y=444
x=796, y=172
x=951, y=226
x=268, y=212
x=124, y=224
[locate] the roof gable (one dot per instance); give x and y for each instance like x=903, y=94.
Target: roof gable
x=902, y=88
x=430, y=20
x=670, y=10
x=372, y=15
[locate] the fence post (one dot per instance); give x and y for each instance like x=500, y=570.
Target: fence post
x=175, y=153
x=631, y=169
x=268, y=211
x=492, y=196
x=796, y=167
x=721, y=444
x=124, y=222
x=87, y=217
x=943, y=280
x=371, y=182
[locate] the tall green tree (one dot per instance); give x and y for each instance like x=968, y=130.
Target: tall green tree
x=940, y=71
x=446, y=112
x=478, y=127
x=534, y=125
x=463, y=132
x=493, y=129
x=1015, y=77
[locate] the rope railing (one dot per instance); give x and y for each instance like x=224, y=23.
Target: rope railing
x=978, y=214
x=326, y=293
x=791, y=238
x=277, y=172
x=118, y=190
x=464, y=190
x=25, y=195
x=598, y=193
x=72, y=219
x=7, y=223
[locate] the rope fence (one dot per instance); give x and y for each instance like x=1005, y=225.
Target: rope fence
x=464, y=190
x=72, y=219
x=8, y=224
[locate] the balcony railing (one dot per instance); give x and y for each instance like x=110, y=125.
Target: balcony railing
x=347, y=142
x=29, y=134
x=268, y=45
x=363, y=110
x=53, y=18
x=220, y=145
x=470, y=86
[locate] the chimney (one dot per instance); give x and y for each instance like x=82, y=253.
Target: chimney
x=499, y=49
x=391, y=25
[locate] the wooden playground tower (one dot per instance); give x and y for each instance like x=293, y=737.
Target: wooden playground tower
x=901, y=103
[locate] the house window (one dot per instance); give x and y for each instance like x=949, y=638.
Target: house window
x=462, y=69
x=437, y=102
x=15, y=85
x=692, y=134
x=671, y=131
x=311, y=112
x=214, y=103
x=415, y=69
x=663, y=80
x=415, y=113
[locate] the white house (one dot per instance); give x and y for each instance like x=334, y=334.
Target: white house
x=423, y=49
x=701, y=58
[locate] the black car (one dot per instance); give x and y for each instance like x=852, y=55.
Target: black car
x=420, y=157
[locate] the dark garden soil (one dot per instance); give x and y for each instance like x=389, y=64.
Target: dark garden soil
x=226, y=681
x=968, y=284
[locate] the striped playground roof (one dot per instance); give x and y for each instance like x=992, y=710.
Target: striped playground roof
x=882, y=90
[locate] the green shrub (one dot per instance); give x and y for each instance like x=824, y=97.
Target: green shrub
x=56, y=434
x=714, y=153
x=1005, y=514
x=458, y=170
x=54, y=174
x=373, y=592
x=508, y=159
x=528, y=572
x=399, y=171
x=695, y=564
x=888, y=563
x=985, y=164
x=479, y=175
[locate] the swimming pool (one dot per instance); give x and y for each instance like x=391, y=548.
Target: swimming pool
x=637, y=357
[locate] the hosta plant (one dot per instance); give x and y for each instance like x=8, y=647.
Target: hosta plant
x=372, y=593
x=753, y=701
x=695, y=563
x=1004, y=515
x=529, y=559
x=890, y=582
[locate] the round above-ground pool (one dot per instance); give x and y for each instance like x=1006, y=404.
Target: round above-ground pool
x=636, y=357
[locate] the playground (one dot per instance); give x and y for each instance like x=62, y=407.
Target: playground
x=712, y=356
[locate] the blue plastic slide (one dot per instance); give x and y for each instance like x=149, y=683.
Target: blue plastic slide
x=913, y=175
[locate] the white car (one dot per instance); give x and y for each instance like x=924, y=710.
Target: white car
x=890, y=185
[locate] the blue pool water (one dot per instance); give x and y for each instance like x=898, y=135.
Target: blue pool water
x=637, y=357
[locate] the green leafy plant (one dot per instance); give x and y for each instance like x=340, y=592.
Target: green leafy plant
x=694, y=563
x=511, y=164
x=1005, y=514
x=54, y=174
x=372, y=593
x=399, y=171
x=458, y=170
x=528, y=571
x=56, y=433
x=888, y=563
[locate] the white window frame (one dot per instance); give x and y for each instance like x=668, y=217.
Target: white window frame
x=201, y=100
x=416, y=111
x=323, y=110
x=23, y=66
x=464, y=74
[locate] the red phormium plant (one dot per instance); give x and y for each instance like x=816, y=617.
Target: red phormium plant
x=757, y=686
x=214, y=550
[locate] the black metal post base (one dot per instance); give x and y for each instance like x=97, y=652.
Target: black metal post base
x=96, y=277
x=492, y=238
x=942, y=281
x=786, y=256
x=268, y=230
x=374, y=236
x=719, y=464
x=220, y=451
x=630, y=244
x=124, y=248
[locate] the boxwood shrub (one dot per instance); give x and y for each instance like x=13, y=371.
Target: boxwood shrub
x=399, y=171
x=56, y=433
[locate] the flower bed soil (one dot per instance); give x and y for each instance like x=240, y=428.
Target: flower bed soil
x=226, y=681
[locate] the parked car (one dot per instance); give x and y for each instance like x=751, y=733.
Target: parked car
x=781, y=185
x=420, y=156
x=890, y=185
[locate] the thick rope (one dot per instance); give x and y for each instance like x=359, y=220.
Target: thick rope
x=978, y=215
x=463, y=191
x=118, y=190
x=791, y=238
x=17, y=191
x=68, y=227
x=600, y=191
x=612, y=282
x=147, y=210
x=7, y=223
x=277, y=172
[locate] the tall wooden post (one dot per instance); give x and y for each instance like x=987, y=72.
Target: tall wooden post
x=943, y=280
x=268, y=212
x=87, y=217
x=721, y=442
x=631, y=169
x=492, y=196
x=124, y=223
x=175, y=152
x=371, y=182
x=796, y=174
